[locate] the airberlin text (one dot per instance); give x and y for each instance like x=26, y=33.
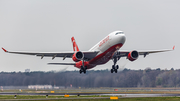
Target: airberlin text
x=104, y=41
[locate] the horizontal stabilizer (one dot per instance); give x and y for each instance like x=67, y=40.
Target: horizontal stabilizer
x=61, y=64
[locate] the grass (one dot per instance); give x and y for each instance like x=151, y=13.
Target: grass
x=94, y=97
x=49, y=97
x=84, y=98
x=151, y=99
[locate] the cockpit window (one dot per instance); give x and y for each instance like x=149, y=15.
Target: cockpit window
x=119, y=33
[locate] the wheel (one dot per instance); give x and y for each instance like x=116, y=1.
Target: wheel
x=117, y=67
x=115, y=70
x=80, y=71
x=113, y=67
x=84, y=71
x=112, y=70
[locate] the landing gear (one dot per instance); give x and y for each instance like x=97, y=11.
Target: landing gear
x=115, y=70
x=80, y=71
x=83, y=69
x=115, y=67
x=112, y=70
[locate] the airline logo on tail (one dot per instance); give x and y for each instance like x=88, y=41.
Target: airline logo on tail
x=75, y=47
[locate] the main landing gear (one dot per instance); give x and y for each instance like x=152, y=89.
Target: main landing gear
x=83, y=69
x=115, y=67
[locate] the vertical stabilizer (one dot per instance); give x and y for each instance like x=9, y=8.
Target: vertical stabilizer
x=75, y=47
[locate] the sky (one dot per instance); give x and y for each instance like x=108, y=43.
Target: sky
x=48, y=25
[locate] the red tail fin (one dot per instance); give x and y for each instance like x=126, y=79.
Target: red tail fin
x=75, y=47
x=173, y=47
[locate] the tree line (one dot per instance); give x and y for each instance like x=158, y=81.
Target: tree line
x=100, y=78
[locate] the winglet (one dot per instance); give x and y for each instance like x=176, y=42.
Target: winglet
x=173, y=47
x=4, y=50
x=75, y=47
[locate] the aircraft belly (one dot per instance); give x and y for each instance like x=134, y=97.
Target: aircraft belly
x=105, y=56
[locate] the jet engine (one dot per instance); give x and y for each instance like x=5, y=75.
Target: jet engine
x=133, y=55
x=77, y=56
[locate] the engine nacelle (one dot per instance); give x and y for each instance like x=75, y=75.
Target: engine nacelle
x=133, y=55
x=77, y=56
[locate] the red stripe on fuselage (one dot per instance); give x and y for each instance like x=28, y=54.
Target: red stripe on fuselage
x=100, y=59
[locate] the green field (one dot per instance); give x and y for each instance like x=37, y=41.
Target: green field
x=83, y=98
x=49, y=97
x=131, y=99
x=59, y=97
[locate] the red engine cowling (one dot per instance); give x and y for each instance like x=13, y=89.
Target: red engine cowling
x=133, y=55
x=77, y=56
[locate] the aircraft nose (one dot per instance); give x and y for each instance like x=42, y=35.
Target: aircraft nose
x=122, y=39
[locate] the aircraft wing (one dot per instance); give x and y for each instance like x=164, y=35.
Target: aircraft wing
x=62, y=63
x=125, y=53
x=88, y=55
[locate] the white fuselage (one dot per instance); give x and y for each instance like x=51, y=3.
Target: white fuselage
x=109, y=41
x=106, y=47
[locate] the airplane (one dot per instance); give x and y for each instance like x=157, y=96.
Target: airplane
x=105, y=50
